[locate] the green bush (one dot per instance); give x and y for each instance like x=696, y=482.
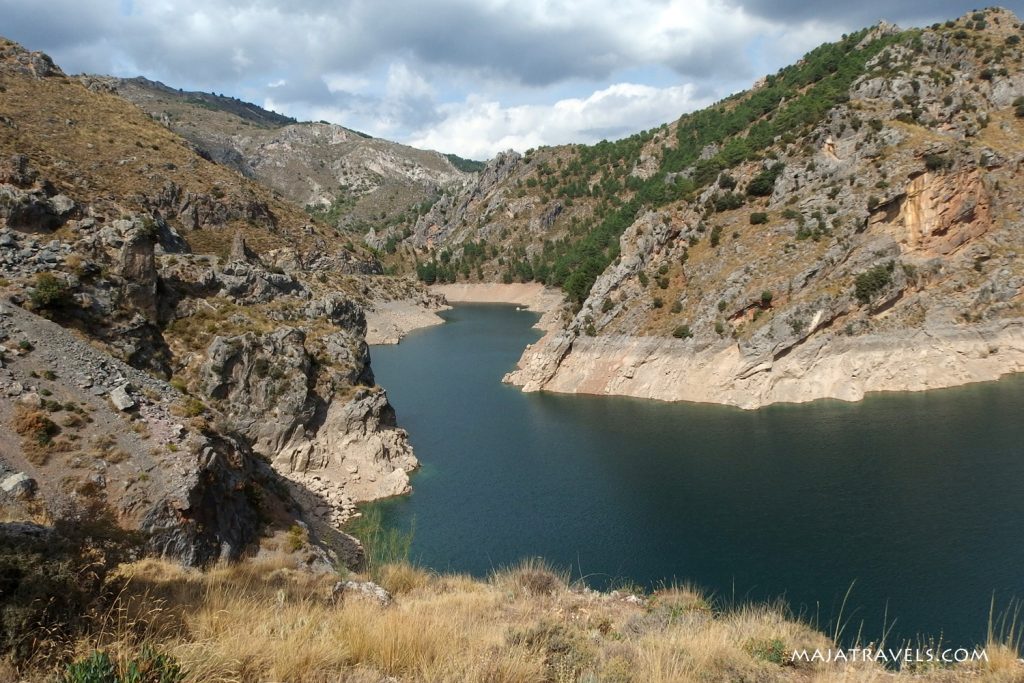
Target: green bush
x=50, y=292
x=937, y=162
x=766, y=298
x=682, y=332
x=149, y=666
x=758, y=218
x=716, y=235
x=728, y=201
x=763, y=183
x=96, y=668
x=873, y=281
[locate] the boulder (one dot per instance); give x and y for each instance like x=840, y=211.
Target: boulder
x=19, y=485
x=121, y=399
x=360, y=590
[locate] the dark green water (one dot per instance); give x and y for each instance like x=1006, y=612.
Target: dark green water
x=914, y=499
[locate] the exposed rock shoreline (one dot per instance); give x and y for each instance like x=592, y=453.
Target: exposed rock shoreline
x=389, y=322
x=827, y=366
x=533, y=296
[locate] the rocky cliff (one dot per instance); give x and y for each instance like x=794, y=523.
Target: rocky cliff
x=851, y=224
x=180, y=344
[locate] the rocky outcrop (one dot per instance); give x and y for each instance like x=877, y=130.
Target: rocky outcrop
x=355, y=455
x=940, y=212
x=220, y=330
x=828, y=366
x=195, y=211
x=196, y=497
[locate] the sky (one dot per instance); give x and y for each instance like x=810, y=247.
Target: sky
x=472, y=77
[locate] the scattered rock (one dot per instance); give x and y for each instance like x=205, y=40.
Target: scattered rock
x=121, y=399
x=362, y=590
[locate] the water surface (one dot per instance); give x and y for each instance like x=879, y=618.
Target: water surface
x=914, y=499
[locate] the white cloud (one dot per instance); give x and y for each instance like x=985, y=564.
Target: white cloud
x=456, y=75
x=337, y=82
x=478, y=129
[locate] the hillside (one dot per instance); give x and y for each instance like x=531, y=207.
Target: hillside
x=850, y=224
x=178, y=344
x=347, y=178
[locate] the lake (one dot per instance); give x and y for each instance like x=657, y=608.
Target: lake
x=913, y=499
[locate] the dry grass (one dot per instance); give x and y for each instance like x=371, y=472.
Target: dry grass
x=264, y=621
x=38, y=434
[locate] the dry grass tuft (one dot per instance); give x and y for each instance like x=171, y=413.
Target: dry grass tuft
x=38, y=434
x=533, y=576
x=267, y=621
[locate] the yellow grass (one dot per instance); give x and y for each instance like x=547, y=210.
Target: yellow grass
x=264, y=621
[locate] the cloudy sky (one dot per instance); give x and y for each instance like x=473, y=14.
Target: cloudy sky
x=467, y=76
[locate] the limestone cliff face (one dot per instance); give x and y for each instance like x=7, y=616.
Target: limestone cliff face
x=828, y=366
x=940, y=213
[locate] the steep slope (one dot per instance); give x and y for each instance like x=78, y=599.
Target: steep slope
x=850, y=224
x=347, y=178
x=239, y=314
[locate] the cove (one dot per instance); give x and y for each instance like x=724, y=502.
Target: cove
x=913, y=499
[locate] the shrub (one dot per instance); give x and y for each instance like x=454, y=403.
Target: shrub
x=642, y=276
x=49, y=292
x=728, y=201
x=682, y=332
x=763, y=183
x=193, y=407
x=149, y=666
x=37, y=433
x=937, y=162
x=716, y=235
x=758, y=218
x=52, y=582
x=297, y=538
x=873, y=281
x=658, y=302
x=773, y=650
x=766, y=298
